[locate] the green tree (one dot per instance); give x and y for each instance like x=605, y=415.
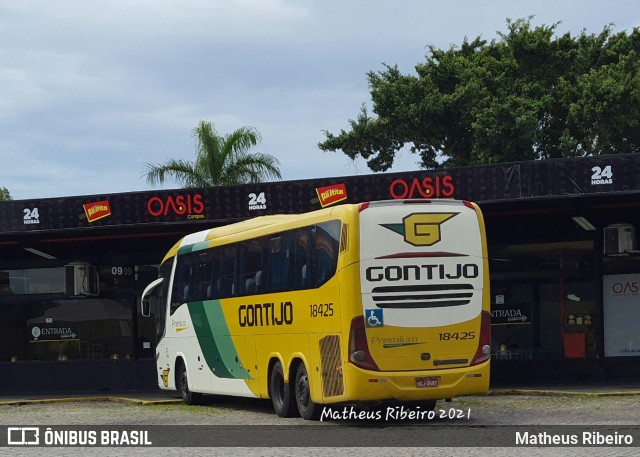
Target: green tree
x=527, y=95
x=4, y=194
x=220, y=161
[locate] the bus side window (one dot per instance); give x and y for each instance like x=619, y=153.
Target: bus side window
x=204, y=273
x=214, y=287
x=227, y=273
x=326, y=249
x=278, y=263
x=303, y=258
x=249, y=263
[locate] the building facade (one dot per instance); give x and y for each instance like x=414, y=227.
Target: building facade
x=565, y=268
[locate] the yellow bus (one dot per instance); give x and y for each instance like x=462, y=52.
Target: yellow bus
x=357, y=303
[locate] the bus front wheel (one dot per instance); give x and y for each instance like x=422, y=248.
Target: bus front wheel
x=308, y=409
x=281, y=392
x=190, y=398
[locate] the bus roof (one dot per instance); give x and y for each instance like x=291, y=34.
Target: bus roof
x=247, y=227
x=256, y=226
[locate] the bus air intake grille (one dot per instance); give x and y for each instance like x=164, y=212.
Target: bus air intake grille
x=422, y=296
x=332, y=383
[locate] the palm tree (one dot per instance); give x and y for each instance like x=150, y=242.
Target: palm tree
x=220, y=161
x=4, y=194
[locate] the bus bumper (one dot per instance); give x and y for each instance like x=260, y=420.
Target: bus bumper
x=364, y=385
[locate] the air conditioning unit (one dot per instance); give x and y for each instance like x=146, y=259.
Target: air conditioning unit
x=619, y=239
x=82, y=280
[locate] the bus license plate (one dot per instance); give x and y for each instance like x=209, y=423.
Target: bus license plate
x=433, y=381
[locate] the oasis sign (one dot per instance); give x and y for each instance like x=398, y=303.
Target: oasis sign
x=188, y=205
x=429, y=187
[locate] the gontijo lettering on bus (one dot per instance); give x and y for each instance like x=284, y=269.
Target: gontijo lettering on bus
x=393, y=273
x=265, y=314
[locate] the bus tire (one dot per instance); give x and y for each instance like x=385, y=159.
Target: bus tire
x=188, y=397
x=307, y=408
x=281, y=392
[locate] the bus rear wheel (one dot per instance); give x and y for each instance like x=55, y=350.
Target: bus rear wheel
x=307, y=408
x=281, y=392
x=190, y=398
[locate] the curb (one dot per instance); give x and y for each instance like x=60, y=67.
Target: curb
x=562, y=393
x=135, y=401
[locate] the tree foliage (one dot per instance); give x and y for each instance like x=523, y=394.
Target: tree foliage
x=4, y=194
x=220, y=160
x=527, y=95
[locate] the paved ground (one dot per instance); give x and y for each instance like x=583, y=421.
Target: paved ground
x=160, y=396
x=599, y=409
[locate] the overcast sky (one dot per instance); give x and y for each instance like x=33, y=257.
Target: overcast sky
x=91, y=90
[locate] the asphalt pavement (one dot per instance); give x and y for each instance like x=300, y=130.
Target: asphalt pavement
x=158, y=396
x=489, y=421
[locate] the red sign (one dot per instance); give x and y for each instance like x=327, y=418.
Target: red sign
x=331, y=194
x=190, y=205
x=97, y=210
x=429, y=187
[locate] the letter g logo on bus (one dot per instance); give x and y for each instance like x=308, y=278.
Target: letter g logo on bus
x=421, y=229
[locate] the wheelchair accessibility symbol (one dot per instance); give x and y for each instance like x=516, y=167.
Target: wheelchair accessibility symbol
x=374, y=318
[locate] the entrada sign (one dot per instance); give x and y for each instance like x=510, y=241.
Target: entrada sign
x=510, y=313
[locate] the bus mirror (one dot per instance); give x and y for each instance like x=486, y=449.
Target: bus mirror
x=145, y=302
x=145, y=307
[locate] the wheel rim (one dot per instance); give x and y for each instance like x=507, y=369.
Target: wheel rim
x=184, y=386
x=302, y=390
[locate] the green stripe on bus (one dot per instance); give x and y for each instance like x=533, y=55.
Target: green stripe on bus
x=214, y=339
x=199, y=246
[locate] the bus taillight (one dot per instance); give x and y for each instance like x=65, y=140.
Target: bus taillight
x=358, y=347
x=484, y=345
